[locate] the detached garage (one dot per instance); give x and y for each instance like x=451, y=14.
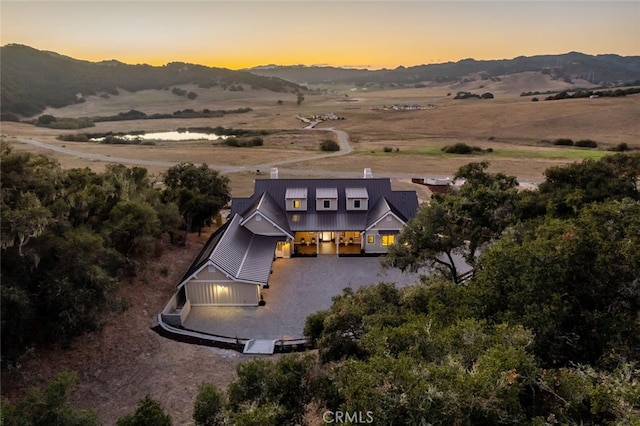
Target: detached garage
x=232, y=268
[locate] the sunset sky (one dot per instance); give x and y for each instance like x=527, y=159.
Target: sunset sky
x=357, y=33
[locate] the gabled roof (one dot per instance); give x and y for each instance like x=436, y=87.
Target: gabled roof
x=205, y=253
x=243, y=255
x=269, y=209
x=403, y=203
x=238, y=253
x=379, y=211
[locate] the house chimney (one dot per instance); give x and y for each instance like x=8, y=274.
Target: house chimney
x=274, y=173
x=367, y=173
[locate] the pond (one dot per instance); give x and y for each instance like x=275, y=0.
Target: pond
x=167, y=136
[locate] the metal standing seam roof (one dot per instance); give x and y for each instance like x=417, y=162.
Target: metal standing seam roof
x=327, y=193
x=359, y=193
x=267, y=207
x=295, y=192
x=403, y=203
x=243, y=255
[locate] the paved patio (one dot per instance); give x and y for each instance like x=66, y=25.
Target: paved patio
x=297, y=288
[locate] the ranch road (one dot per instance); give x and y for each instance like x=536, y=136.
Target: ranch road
x=343, y=141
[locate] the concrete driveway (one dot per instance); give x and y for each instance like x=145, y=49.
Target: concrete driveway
x=297, y=288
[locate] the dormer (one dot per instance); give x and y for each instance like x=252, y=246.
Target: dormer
x=357, y=198
x=326, y=199
x=296, y=199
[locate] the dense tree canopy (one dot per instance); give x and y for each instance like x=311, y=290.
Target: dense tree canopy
x=199, y=192
x=69, y=235
x=458, y=223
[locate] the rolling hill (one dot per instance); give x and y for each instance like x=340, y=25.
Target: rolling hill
x=33, y=79
x=605, y=70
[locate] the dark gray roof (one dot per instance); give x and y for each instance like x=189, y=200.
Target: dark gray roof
x=267, y=207
x=205, y=253
x=403, y=203
x=377, y=212
x=244, y=255
x=237, y=252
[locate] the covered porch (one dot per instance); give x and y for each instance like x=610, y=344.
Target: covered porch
x=313, y=243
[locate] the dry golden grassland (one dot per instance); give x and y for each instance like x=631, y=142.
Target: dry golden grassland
x=513, y=126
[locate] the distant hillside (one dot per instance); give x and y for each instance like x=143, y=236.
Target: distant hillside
x=603, y=70
x=32, y=80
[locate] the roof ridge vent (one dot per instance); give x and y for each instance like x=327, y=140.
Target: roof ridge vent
x=367, y=173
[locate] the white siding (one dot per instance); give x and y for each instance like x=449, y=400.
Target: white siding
x=230, y=294
x=389, y=222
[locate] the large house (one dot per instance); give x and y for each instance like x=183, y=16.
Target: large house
x=285, y=218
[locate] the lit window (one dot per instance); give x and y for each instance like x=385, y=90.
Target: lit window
x=295, y=218
x=370, y=239
x=356, y=234
x=326, y=204
x=296, y=204
x=356, y=204
x=388, y=240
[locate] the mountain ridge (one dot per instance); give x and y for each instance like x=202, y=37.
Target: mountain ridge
x=604, y=69
x=32, y=79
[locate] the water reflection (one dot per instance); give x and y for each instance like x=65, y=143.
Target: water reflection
x=168, y=136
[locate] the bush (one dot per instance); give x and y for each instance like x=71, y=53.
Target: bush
x=329, y=145
x=231, y=142
x=563, y=142
x=258, y=141
x=586, y=143
x=621, y=147
x=74, y=137
x=387, y=149
x=461, y=148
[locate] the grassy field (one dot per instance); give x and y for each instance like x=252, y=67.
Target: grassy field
x=511, y=125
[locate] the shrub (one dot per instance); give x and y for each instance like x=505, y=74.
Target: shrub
x=461, y=148
x=621, y=147
x=232, y=141
x=258, y=141
x=329, y=145
x=387, y=149
x=586, y=143
x=74, y=137
x=563, y=142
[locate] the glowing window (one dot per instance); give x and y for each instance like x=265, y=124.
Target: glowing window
x=370, y=239
x=388, y=240
x=296, y=204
